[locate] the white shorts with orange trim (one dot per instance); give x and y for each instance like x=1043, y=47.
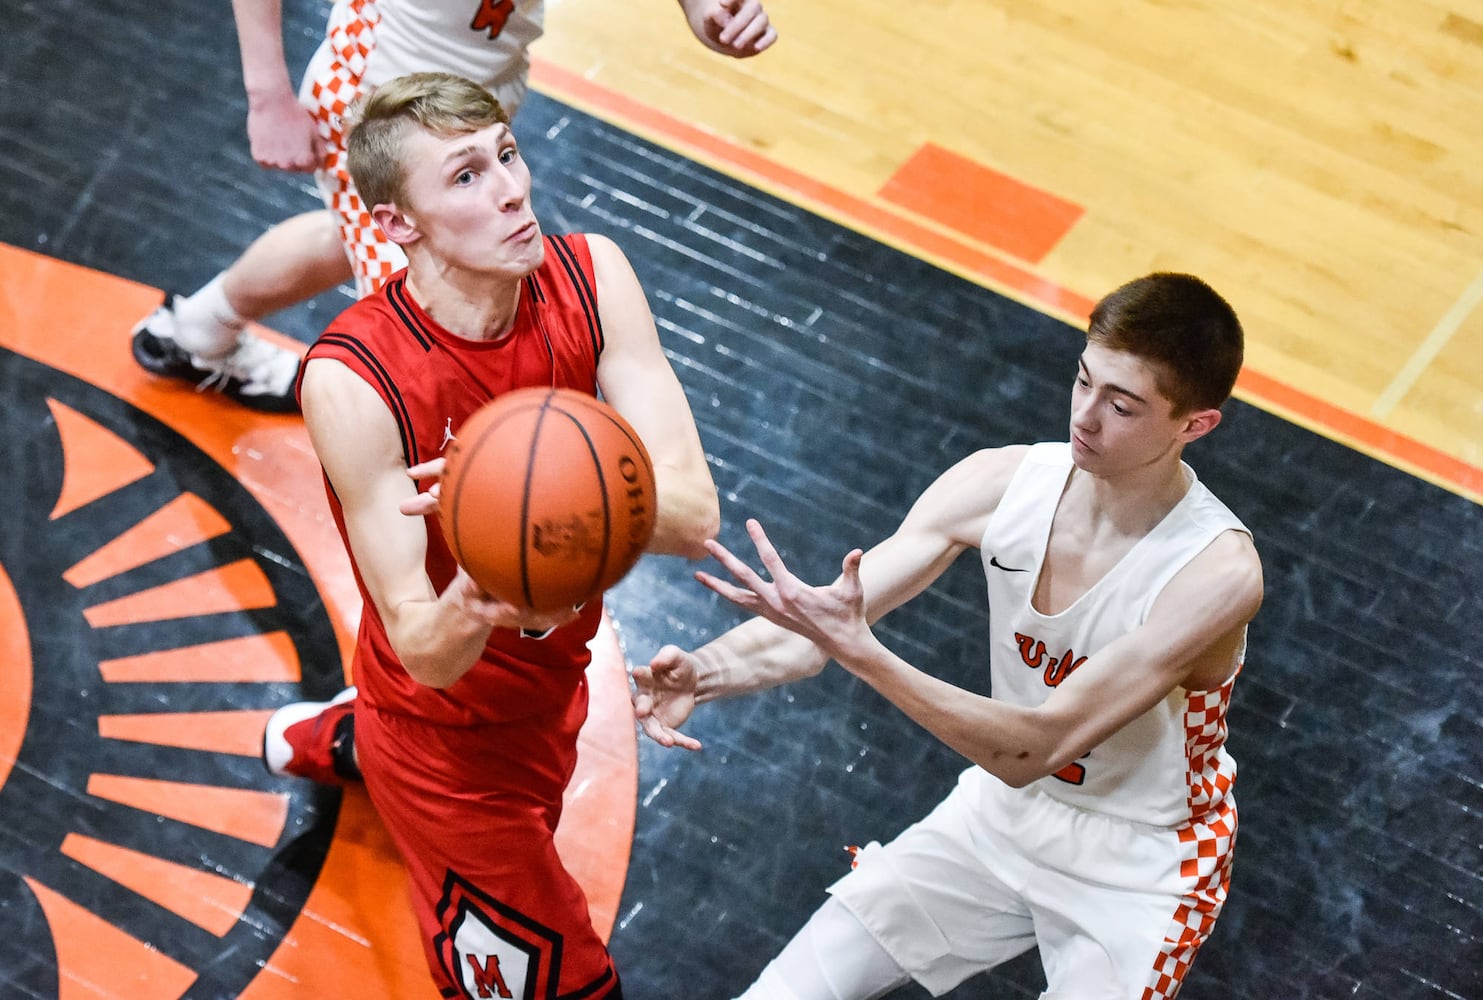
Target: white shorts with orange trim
x=994, y=871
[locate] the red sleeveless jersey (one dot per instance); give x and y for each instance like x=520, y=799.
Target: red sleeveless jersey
x=431, y=380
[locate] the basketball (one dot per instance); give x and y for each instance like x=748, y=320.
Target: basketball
x=548, y=498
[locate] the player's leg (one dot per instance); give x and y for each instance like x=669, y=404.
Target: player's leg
x=295, y=260
x=1109, y=944
x=201, y=338
x=929, y=905
x=832, y=958
x=314, y=740
x=1123, y=908
x=473, y=812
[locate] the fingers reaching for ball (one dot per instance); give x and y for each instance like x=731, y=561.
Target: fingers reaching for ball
x=664, y=696
x=484, y=606
x=426, y=502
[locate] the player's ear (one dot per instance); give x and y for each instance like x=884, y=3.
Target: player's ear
x=398, y=225
x=1198, y=423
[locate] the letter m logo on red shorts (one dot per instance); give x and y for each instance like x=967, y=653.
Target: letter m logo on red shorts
x=492, y=951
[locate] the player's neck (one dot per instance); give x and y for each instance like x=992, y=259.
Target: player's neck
x=1134, y=500
x=475, y=307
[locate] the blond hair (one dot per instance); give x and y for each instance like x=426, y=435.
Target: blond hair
x=440, y=103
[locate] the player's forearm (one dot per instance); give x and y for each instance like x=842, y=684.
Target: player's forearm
x=689, y=513
x=260, y=37
x=436, y=641
x=754, y=656
x=1016, y=744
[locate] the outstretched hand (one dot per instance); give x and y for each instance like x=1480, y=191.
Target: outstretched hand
x=831, y=617
x=736, y=28
x=664, y=697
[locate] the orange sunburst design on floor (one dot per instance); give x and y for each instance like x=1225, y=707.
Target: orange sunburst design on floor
x=162, y=623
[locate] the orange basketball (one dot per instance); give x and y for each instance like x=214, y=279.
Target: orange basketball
x=548, y=497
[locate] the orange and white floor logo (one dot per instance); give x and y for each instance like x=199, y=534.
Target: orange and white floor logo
x=168, y=576
x=138, y=615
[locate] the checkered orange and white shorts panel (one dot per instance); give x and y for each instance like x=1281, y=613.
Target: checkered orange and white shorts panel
x=331, y=85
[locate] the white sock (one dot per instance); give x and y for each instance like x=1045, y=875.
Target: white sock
x=205, y=323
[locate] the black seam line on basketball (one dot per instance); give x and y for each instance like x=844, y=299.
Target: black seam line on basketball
x=633, y=439
x=525, y=490
x=396, y=294
x=357, y=349
x=585, y=296
x=607, y=507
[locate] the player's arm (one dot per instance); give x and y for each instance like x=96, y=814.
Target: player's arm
x=1194, y=630
x=636, y=379
x=737, y=28
x=281, y=132
x=437, y=637
x=949, y=517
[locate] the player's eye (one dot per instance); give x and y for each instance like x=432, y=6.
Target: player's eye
x=509, y=155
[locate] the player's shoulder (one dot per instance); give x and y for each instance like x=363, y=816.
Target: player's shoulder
x=1229, y=567
x=605, y=257
x=971, y=488
x=990, y=470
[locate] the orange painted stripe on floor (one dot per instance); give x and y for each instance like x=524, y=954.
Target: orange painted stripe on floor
x=981, y=203
x=97, y=461
x=237, y=586
x=178, y=525
x=97, y=961
x=15, y=676
x=595, y=837
x=256, y=817
x=239, y=733
x=208, y=900
x=1423, y=460
x=846, y=207
x=250, y=659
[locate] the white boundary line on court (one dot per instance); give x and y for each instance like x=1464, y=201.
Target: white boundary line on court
x=1429, y=349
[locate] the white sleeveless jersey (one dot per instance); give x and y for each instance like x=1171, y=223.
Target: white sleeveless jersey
x=1167, y=767
x=484, y=40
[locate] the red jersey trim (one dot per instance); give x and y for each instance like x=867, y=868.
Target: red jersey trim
x=585, y=294
x=389, y=390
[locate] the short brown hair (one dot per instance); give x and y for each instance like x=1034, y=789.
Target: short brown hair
x=440, y=103
x=1183, y=328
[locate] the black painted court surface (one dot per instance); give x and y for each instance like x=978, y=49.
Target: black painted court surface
x=832, y=378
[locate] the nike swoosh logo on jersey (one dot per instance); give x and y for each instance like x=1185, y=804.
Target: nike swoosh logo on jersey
x=994, y=562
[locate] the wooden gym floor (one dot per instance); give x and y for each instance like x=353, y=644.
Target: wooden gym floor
x=867, y=252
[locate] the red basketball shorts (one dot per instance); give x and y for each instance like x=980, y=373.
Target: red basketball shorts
x=473, y=812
